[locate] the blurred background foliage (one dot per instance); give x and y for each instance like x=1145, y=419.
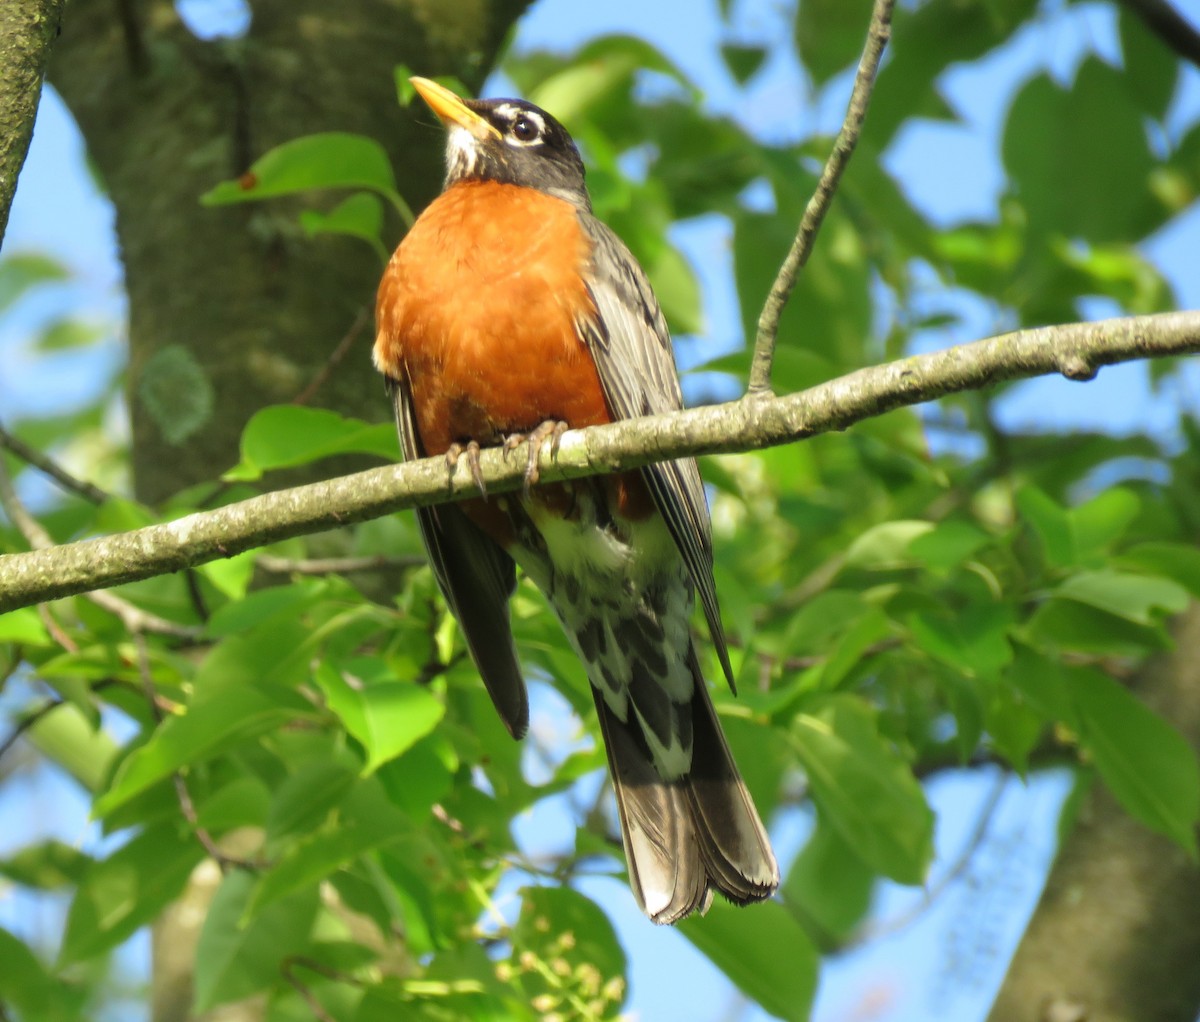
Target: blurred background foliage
x=929, y=591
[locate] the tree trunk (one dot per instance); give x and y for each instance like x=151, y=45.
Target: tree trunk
x=1116, y=935
x=231, y=308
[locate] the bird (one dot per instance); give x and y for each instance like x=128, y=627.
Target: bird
x=508, y=314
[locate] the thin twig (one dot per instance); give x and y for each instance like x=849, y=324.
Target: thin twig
x=186, y=805
x=1077, y=351
x=57, y=632
x=315, y=1006
x=335, y=565
x=25, y=523
x=34, y=457
x=1170, y=26
x=29, y=719
x=192, y=581
x=335, y=357
x=814, y=213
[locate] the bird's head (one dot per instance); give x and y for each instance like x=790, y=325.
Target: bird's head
x=506, y=140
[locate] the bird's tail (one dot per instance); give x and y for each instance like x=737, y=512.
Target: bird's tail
x=687, y=837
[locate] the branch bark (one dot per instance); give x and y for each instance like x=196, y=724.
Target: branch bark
x=27, y=29
x=1076, y=351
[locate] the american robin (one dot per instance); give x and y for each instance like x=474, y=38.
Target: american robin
x=510, y=312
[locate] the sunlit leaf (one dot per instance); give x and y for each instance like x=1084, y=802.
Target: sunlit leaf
x=201, y=732
x=234, y=960
x=332, y=159
x=1139, y=598
x=746, y=946
x=281, y=436
x=1146, y=762
x=359, y=216
x=386, y=716
x=863, y=789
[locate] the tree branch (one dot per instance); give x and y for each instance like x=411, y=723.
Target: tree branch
x=51, y=468
x=1170, y=26
x=822, y=198
x=27, y=28
x=1076, y=351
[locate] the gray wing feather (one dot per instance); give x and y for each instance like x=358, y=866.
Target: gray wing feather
x=631, y=347
x=476, y=577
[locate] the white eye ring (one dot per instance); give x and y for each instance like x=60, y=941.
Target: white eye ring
x=525, y=128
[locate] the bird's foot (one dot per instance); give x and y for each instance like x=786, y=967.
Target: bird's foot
x=471, y=450
x=551, y=430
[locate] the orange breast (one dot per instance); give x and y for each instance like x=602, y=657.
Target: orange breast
x=478, y=307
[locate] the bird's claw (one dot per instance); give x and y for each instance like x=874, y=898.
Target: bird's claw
x=471, y=450
x=551, y=430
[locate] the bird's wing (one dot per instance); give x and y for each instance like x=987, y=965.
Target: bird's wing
x=629, y=341
x=476, y=576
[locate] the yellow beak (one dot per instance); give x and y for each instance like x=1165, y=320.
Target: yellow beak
x=451, y=110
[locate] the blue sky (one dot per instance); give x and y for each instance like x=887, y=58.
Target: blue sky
x=947, y=963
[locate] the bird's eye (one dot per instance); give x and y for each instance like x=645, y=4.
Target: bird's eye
x=524, y=129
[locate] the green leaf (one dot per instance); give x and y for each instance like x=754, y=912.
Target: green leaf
x=1151, y=70
x=303, y=801
x=234, y=960
x=1138, y=598
x=1067, y=626
x=332, y=159
x=366, y=820
x=1090, y=135
x=973, y=640
x=863, y=789
x=279, y=602
x=1178, y=561
x=387, y=717
x=947, y=545
x=128, y=889
x=359, y=216
x=26, y=984
x=1101, y=521
x=230, y=575
x=424, y=775
x=199, y=734
x=67, y=333
x=240, y=803
x=677, y=289
x=764, y=951
x=25, y=627
x=828, y=886
x=22, y=271
x=1146, y=762
x=830, y=34
x=926, y=40
x=46, y=866
x=743, y=61
x=285, y=435
x=886, y=546
x=598, y=71
x=1050, y=522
